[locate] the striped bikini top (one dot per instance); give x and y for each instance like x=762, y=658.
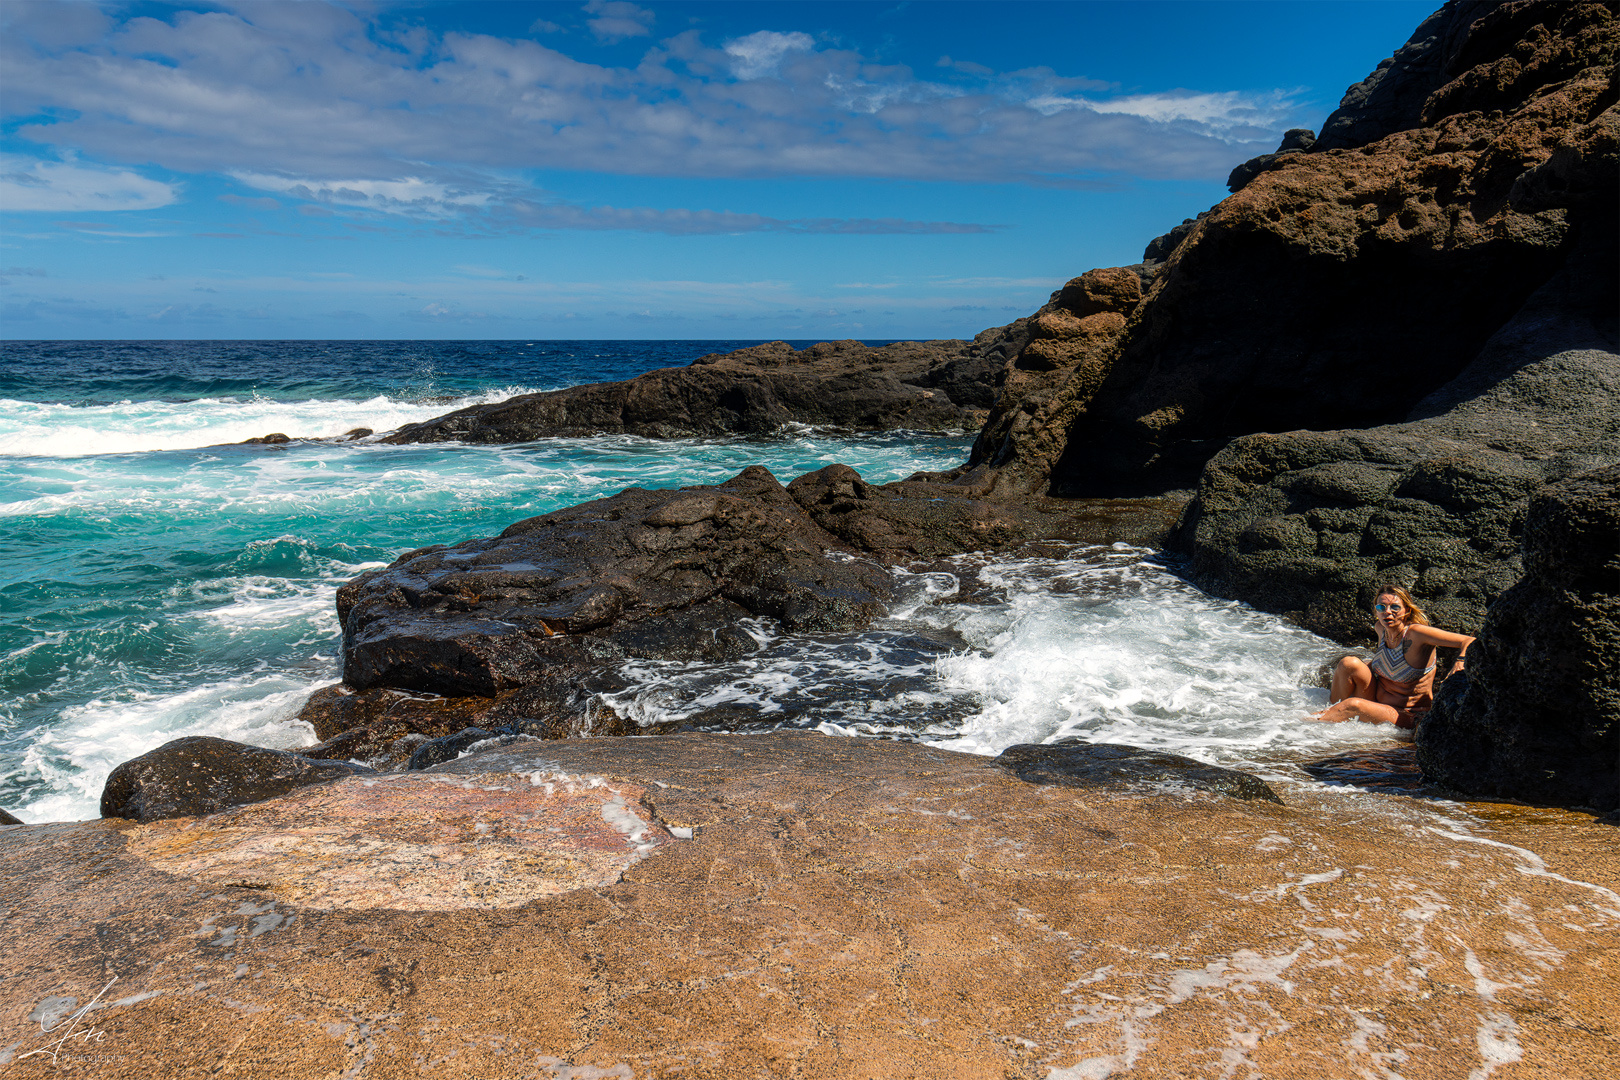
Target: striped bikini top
x=1390, y=662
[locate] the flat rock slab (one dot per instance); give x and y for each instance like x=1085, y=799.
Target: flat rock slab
x=843, y=908
x=413, y=842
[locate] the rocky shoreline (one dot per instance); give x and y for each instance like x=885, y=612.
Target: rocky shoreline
x=797, y=904
x=1363, y=365
x=1391, y=353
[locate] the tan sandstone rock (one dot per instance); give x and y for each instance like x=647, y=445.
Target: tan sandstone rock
x=842, y=908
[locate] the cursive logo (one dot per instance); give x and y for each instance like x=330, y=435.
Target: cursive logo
x=88, y=1035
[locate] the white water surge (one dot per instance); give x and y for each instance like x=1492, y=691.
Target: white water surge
x=1104, y=643
x=50, y=429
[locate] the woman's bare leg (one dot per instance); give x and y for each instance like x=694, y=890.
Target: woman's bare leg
x=1371, y=712
x=1351, y=678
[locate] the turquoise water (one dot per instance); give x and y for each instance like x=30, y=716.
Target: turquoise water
x=155, y=584
x=158, y=581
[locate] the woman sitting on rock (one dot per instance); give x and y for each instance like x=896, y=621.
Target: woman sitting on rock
x=1396, y=686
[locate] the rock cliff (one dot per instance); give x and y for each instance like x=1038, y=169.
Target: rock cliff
x=1349, y=280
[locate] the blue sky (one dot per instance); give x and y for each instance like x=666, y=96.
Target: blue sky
x=624, y=170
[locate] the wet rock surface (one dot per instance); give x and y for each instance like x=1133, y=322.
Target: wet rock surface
x=447, y=748
x=1074, y=762
x=924, y=518
x=1388, y=768
x=811, y=906
x=520, y=633
x=922, y=386
x=200, y=774
x=1536, y=716
x=645, y=573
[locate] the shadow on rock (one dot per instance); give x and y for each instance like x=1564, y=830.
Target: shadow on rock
x=1076, y=763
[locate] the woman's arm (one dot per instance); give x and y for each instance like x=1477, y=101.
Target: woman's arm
x=1443, y=639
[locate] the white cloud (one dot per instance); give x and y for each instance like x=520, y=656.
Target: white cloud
x=31, y=184
x=1223, y=112
x=616, y=20
x=758, y=54
x=409, y=121
x=409, y=193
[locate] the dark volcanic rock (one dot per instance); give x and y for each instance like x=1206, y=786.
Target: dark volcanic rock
x=919, y=518
x=925, y=386
x=1075, y=762
x=644, y=573
x=1391, y=99
x=446, y=749
x=1538, y=716
x=200, y=775
x=1295, y=141
x=8, y=819
x=1308, y=523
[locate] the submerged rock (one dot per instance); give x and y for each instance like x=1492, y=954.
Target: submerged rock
x=200, y=775
x=1074, y=762
x=1537, y=716
x=446, y=749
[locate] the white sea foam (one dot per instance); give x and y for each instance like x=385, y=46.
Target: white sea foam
x=76, y=756
x=1102, y=643
x=43, y=429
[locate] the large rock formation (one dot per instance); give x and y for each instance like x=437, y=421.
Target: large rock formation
x=519, y=633
x=924, y=386
x=199, y=775
x=645, y=573
x=1538, y=715
x=1347, y=282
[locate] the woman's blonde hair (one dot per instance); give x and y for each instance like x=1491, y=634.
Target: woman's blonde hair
x=1414, y=614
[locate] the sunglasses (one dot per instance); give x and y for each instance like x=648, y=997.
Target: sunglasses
x=1381, y=608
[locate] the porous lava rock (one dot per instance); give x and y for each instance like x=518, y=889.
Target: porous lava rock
x=1054, y=362
x=1538, y=715
x=1295, y=141
x=1075, y=762
x=1351, y=280
x=923, y=518
x=200, y=775
x=667, y=574
x=923, y=386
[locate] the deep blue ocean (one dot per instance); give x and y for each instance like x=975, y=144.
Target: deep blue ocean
x=158, y=579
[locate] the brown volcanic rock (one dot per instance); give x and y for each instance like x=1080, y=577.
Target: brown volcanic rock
x=924, y=386
x=1046, y=383
x=844, y=908
x=1347, y=282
